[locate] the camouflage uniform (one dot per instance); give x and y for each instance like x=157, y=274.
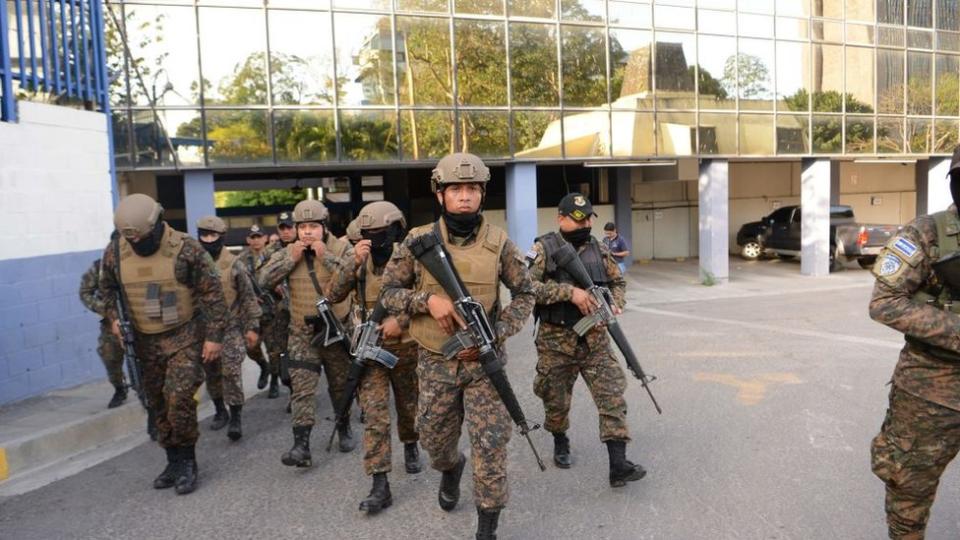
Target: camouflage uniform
x=275, y=321
x=334, y=359
x=920, y=434
x=171, y=360
x=452, y=391
x=374, y=390
x=108, y=346
x=563, y=355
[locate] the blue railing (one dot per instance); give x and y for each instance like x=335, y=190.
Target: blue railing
x=54, y=47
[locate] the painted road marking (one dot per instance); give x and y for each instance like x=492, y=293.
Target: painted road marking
x=750, y=391
x=4, y=469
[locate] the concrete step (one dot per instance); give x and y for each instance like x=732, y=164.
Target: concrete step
x=49, y=437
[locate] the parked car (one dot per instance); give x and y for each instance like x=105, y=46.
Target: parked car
x=779, y=234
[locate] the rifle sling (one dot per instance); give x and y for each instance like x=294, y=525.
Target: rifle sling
x=300, y=364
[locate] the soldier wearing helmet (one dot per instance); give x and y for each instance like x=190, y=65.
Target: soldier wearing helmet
x=457, y=389
x=352, y=234
x=380, y=226
x=308, y=265
x=167, y=280
x=224, y=377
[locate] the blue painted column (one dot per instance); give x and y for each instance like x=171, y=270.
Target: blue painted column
x=622, y=180
x=815, y=217
x=714, y=209
x=522, y=204
x=198, y=197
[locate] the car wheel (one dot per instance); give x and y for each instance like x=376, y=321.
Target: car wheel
x=837, y=261
x=867, y=262
x=751, y=251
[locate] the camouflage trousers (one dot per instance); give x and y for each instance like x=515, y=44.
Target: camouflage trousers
x=557, y=373
x=374, y=396
x=225, y=376
x=274, y=331
x=304, y=381
x=171, y=378
x=916, y=442
x=451, y=392
x=111, y=353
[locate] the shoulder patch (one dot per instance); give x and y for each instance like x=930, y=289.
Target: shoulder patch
x=889, y=265
x=905, y=247
x=532, y=254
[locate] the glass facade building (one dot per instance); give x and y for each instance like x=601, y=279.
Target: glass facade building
x=268, y=83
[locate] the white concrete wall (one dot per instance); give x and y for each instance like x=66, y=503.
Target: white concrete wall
x=55, y=182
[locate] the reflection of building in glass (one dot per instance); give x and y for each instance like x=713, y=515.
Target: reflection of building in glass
x=373, y=61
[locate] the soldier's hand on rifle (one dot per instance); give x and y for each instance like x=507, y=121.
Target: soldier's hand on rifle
x=252, y=339
x=469, y=355
x=391, y=328
x=211, y=351
x=584, y=301
x=115, y=329
x=296, y=250
x=361, y=251
x=442, y=310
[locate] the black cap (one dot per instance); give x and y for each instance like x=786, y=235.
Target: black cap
x=285, y=218
x=609, y=226
x=576, y=206
x=255, y=230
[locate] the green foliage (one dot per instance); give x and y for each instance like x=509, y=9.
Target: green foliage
x=265, y=197
x=753, y=75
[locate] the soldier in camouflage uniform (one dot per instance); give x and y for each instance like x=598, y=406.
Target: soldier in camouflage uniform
x=226, y=375
x=178, y=312
x=253, y=257
x=316, y=254
x=381, y=224
x=108, y=346
x=920, y=434
x=563, y=355
x=455, y=390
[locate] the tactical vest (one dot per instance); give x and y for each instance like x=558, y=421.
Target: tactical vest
x=157, y=301
x=478, y=265
x=371, y=291
x=948, y=242
x=303, y=295
x=567, y=314
x=225, y=266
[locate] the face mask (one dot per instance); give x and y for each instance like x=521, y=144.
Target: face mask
x=955, y=187
x=577, y=237
x=377, y=238
x=462, y=225
x=213, y=248
x=381, y=255
x=151, y=243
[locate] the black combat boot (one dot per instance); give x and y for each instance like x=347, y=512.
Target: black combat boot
x=487, y=524
x=152, y=425
x=235, y=431
x=119, y=396
x=449, y=494
x=187, y=471
x=221, y=417
x=264, y=374
x=169, y=475
x=379, y=497
x=274, y=391
x=299, y=455
x=411, y=457
x=561, y=451
x=345, y=440
x=622, y=470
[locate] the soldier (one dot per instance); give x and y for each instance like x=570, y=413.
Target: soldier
x=168, y=281
x=108, y=346
x=309, y=265
x=353, y=234
x=277, y=327
x=381, y=225
x=563, y=355
x=455, y=390
x=225, y=377
x=253, y=257
x=920, y=434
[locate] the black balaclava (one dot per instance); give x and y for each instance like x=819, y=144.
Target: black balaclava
x=151, y=243
x=955, y=177
x=577, y=237
x=213, y=248
x=382, y=241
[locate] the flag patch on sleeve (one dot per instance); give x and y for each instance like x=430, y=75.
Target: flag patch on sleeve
x=907, y=248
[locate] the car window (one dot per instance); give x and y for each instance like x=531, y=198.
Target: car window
x=796, y=216
x=781, y=215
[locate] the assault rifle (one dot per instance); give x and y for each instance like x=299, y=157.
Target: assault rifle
x=429, y=250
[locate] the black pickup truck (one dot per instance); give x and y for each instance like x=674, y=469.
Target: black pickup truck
x=779, y=233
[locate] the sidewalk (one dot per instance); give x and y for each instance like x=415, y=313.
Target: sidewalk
x=58, y=434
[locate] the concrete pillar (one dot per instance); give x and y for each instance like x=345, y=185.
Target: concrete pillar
x=834, y=183
x=198, y=198
x=714, y=195
x=933, y=185
x=521, y=186
x=815, y=219
x=622, y=180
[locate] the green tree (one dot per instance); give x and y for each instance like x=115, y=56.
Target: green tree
x=265, y=197
x=752, y=74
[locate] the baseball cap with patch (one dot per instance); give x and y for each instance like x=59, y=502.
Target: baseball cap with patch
x=285, y=218
x=576, y=206
x=255, y=230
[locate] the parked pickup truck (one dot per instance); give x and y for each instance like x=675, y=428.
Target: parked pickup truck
x=779, y=233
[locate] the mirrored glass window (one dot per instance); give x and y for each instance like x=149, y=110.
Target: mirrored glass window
x=919, y=83
x=793, y=8
x=157, y=138
x=630, y=134
x=479, y=7
x=583, y=65
x=382, y=5
x=756, y=6
x=424, y=71
x=481, y=62
x=301, y=68
x=677, y=18
x=716, y=22
x=890, y=135
x=306, y=135
x=364, y=48
x=636, y=15
x=123, y=155
x=920, y=13
x=299, y=4
x=675, y=69
x=859, y=135
x=754, y=68
x=890, y=87
x=827, y=78
x=860, y=65
x=368, y=135
x=533, y=65
x=238, y=136
x=718, y=133
x=429, y=6
x=919, y=136
x=536, y=134
x=545, y=9
x=861, y=10
x=948, y=15
x=827, y=134
x=717, y=72
x=945, y=137
x=485, y=133
x=426, y=134
x=677, y=134
x=890, y=12
x=793, y=85
x=947, y=91
x=586, y=134
x=831, y=9
x=162, y=41
x=787, y=28
x=757, y=134
x=234, y=62
x=631, y=69
x=756, y=25
x=582, y=10
x=717, y=4
x=793, y=134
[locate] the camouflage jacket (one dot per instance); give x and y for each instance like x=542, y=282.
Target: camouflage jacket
x=90, y=290
x=347, y=281
x=902, y=269
x=548, y=291
x=246, y=310
x=253, y=262
x=193, y=268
